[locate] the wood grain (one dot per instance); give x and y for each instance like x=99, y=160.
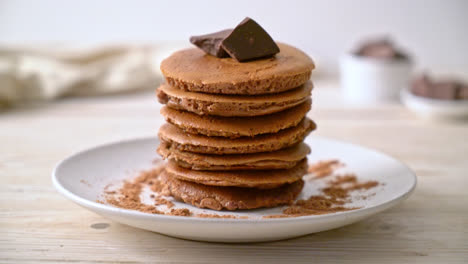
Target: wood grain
x=38, y=225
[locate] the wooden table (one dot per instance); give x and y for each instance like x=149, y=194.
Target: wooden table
x=39, y=225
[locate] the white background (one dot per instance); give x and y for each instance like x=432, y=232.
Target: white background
x=435, y=32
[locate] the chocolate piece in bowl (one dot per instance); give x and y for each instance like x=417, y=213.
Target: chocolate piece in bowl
x=448, y=89
x=421, y=85
x=381, y=49
x=445, y=90
x=463, y=92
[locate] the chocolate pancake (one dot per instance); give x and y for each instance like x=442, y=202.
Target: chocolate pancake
x=280, y=159
x=180, y=140
x=193, y=70
x=261, y=179
x=232, y=105
x=230, y=198
x=235, y=127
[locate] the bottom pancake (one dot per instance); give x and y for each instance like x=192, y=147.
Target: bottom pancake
x=230, y=198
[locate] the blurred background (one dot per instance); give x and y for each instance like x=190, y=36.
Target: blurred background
x=433, y=31
x=82, y=33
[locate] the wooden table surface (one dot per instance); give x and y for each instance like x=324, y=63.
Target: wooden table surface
x=39, y=225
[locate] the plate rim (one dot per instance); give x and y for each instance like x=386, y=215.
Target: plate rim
x=115, y=210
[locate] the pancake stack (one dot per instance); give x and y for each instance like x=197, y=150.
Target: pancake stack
x=235, y=130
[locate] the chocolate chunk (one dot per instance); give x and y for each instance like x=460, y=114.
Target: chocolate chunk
x=249, y=41
x=380, y=49
x=463, y=92
x=211, y=43
x=444, y=90
x=421, y=86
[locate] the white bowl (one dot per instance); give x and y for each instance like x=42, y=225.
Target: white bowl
x=435, y=108
x=365, y=79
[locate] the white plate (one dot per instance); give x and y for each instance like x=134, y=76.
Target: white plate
x=83, y=176
x=434, y=108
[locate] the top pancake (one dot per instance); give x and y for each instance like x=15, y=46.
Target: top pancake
x=232, y=105
x=193, y=70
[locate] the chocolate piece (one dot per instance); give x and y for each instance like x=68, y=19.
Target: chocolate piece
x=211, y=43
x=445, y=90
x=463, y=92
x=421, y=86
x=249, y=41
x=380, y=49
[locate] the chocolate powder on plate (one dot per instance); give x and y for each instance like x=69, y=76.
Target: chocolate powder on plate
x=180, y=212
x=334, y=195
x=324, y=168
x=128, y=196
x=221, y=216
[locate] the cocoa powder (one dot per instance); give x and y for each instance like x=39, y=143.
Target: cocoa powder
x=324, y=168
x=128, y=196
x=158, y=200
x=180, y=212
x=335, y=195
x=221, y=216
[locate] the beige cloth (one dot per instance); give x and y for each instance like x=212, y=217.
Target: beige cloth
x=38, y=74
